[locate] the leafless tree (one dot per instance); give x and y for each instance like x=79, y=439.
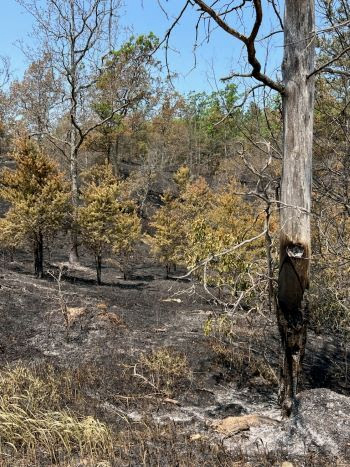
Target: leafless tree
x=34, y=97
x=5, y=75
x=4, y=70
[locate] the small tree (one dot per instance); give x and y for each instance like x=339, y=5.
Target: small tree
x=168, y=243
x=38, y=197
x=200, y=223
x=107, y=222
x=182, y=177
x=168, y=236
x=228, y=221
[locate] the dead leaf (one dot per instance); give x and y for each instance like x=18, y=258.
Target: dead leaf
x=73, y=313
x=171, y=401
x=233, y=425
x=111, y=318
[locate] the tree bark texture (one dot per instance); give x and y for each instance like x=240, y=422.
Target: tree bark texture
x=295, y=237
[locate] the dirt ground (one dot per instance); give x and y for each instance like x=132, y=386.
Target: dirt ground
x=108, y=334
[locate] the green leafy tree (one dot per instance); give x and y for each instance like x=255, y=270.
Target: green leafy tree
x=170, y=222
x=213, y=121
x=168, y=234
x=38, y=197
x=201, y=223
x=128, y=75
x=108, y=223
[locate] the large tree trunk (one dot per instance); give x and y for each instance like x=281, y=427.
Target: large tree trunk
x=73, y=82
x=295, y=241
x=73, y=255
x=39, y=256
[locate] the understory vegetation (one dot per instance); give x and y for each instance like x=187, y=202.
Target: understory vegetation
x=140, y=236
x=43, y=422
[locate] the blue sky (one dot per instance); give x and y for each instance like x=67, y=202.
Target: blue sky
x=222, y=54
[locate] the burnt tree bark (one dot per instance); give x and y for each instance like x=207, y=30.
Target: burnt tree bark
x=98, y=262
x=295, y=234
x=297, y=90
x=39, y=255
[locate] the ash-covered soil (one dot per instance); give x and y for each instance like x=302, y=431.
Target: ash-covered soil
x=107, y=334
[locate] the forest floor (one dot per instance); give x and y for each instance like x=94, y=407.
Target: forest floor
x=138, y=355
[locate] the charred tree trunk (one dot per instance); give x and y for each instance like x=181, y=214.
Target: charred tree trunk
x=98, y=261
x=109, y=152
x=39, y=256
x=73, y=156
x=295, y=240
x=268, y=249
x=73, y=254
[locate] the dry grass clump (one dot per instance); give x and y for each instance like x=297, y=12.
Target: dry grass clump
x=26, y=383
x=33, y=424
x=242, y=363
x=37, y=428
x=166, y=369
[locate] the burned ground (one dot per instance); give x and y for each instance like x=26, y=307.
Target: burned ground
x=141, y=362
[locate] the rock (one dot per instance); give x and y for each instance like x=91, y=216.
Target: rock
x=171, y=401
x=320, y=423
x=196, y=437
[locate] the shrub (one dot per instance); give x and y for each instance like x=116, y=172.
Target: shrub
x=107, y=222
x=201, y=223
x=166, y=368
x=38, y=197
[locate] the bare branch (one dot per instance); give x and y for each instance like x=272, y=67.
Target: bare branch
x=277, y=13
x=334, y=27
x=239, y=106
x=248, y=41
x=326, y=65
x=335, y=71
x=236, y=75
x=4, y=70
x=215, y=256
